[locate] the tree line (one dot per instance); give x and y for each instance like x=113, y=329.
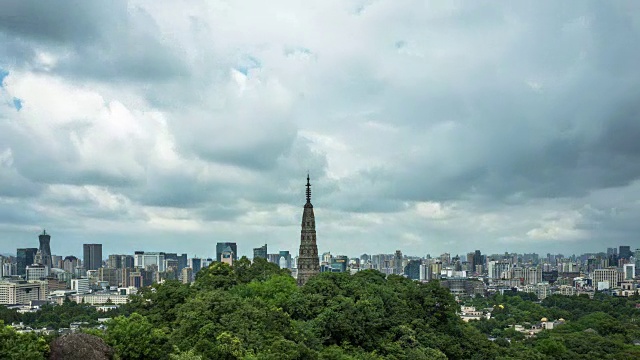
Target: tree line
x=256, y=311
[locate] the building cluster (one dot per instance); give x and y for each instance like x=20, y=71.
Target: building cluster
x=33, y=275
x=615, y=272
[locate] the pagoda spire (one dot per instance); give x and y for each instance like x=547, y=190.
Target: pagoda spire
x=308, y=190
x=308, y=262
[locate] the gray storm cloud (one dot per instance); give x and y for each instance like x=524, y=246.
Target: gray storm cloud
x=430, y=127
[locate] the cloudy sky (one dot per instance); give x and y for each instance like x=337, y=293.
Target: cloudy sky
x=425, y=126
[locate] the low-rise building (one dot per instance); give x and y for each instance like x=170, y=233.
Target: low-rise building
x=101, y=298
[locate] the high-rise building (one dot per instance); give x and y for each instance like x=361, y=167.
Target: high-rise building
x=81, y=286
x=181, y=260
x=136, y=278
x=20, y=292
x=260, y=252
x=412, y=270
x=187, y=275
x=606, y=278
x=36, y=272
x=56, y=261
x=195, y=264
x=220, y=247
x=397, y=263
x=227, y=256
x=532, y=275
x=273, y=258
x=425, y=272
x=25, y=257
x=285, y=260
x=308, y=262
x=637, y=257
x=45, y=248
x=70, y=263
x=109, y=275
x=500, y=269
x=339, y=263
x=92, y=258
x=116, y=261
x=144, y=260
x=629, y=271
x=38, y=258
x=625, y=252
x=477, y=259
x=208, y=261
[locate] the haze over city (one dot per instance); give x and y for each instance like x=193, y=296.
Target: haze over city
x=428, y=127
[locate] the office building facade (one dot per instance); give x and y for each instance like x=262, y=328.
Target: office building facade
x=92, y=256
x=220, y=247
x=25, y=257
x=260, y=252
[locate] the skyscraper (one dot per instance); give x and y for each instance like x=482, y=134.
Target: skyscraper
x=92, y=256
x=25, y=257
x=308, y=262
x=397, y=263
x=220, y=247
x=117, y=261
x=195, y=264
x=260, y=252
x=625, y=252
x=45, y=248
x=477, y=259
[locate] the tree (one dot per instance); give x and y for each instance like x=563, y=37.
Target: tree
x=550, y=347
x=216, y=276
x=14, y=346
x=184, y=355
x=136, y=338
x=228, y=347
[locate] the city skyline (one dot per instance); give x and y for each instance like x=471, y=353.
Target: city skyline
x=431, y=128
x=407, y=252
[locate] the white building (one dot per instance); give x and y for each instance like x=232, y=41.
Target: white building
x=542, y=290
x=532, y=275
x=81, y=286
x=499, y=269
x=425, y=272
x=566, y=290
x=204, y=263
x=143, y=259
x=101, y=298
x=36, y=272
x=20, y=292
x=610, y=275
x=629, y=271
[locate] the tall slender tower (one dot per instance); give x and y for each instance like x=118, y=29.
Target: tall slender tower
x=308, y=263
x=45, y=248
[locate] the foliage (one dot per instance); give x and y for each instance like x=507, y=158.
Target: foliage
x=60, y=316
x=604, y=327
x=256, y=311
x=15, y=346
x=134, y=337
